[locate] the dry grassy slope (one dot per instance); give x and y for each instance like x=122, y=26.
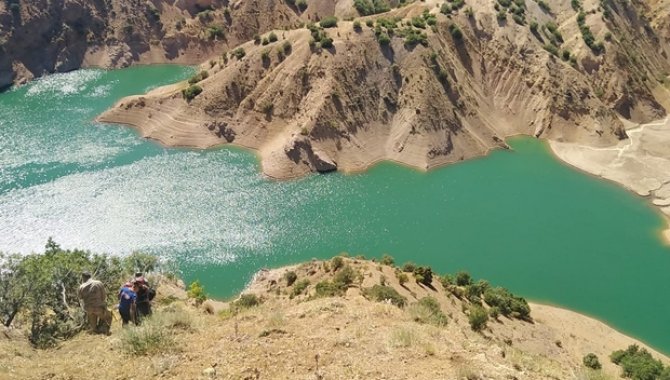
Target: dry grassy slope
x=353, y=337
x=357, y=103
x=61, y=35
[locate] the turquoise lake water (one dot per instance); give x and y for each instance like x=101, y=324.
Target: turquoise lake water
x=517, y=218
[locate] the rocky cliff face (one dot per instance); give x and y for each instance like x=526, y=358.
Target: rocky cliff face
x=429, y=96
x=43, y=36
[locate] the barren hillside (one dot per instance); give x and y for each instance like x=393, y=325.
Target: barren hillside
x=300, y=331
x=420, y=84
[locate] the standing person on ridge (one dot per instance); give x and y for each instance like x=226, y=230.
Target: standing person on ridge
x=127, y=306
x=144, y=296
x=93, y=299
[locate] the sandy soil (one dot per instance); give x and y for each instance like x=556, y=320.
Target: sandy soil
x=641, y=163
x=346, y=337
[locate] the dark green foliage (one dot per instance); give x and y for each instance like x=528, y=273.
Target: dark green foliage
x=286, y=47
x=478, y=317
x=290, y=277
x=507, y=303
x=402, y=277
x=544, y=6
x=423, y=275
x=247, y=301
x=533, y=27
x=238, y=53
x=191, y=92
x=455, y=31
x=272, y=37
x=43, y=288
x=328, y=22
x=501, y=15
x=336, y=263
x=474, y=292
x=383, y=39
x=463, y=278
x=445, y=9
x=345, y=276
x=381, y=293
x=301, y=4
x=409, y=267
x=328, y=289
x=587, y=35
x=551, y=49
x=387, y=260
x=576, y=5
x=370, y=7
x=214, y=32
x=419, y=22
x=198, y=77
x=299, y=287
x=357, y=26
x=565, y=55
x=591, y=360
x=638, y=364
x=257, y=39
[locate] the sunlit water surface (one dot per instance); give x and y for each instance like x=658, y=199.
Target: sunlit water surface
x=517, y=218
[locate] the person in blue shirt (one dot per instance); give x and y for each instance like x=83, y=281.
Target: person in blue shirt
x=127, y=302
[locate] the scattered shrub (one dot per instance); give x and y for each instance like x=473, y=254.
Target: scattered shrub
x=507, y=303
x=299, y=287
x=328, y=22
x=301, y=4
x=544, y=6
x=428, y=311
x=591, y=360
x=370, y=7
x=148, y=338
x=455, y=31
x=287, y=47
x=336, y=263
x=290, y=277
x=198, y=77
x=402, y=278
x=409, y=267
x=446, y=280
x=272, y=37
x=346, y=276
x=463, y=278
x=423, y=275
x=327, y=43
x=239, y=53
x=478, y=318
x=328, y=289
x=638, y=364
x=197, y=292
x=387, y=260
x=382, y=293
x=191, y=92
x=247, y=301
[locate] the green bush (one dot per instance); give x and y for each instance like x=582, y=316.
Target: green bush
x=336, y=263
x=402, y=278
x=191, y=92
x=214, y=32
x=301, y=4
x=272, y=37
x=507, y=303
x=428, y=311
x=383, y=39
x=455, y=31
x=387, y=260
x=204, y=74
x=299, y=287
x=409, y=267
x=369, y=7
x=247, y=301
x=463, y=278
x=345, y=276
x=328, y=22
x=591, y=360
x=638, y=364
x=290, y=277
x=544, y=6
x=197, y=292
x=382, y=293
x=478, y=318
x=287, y=47
x=328, y=289
x=419, y=22
x=327, y=43
x=423, y=275
x=239, y=53
x=446, y=280
x=357, y=25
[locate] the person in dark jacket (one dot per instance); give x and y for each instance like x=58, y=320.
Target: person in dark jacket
x=127, y=303
x=144, y=296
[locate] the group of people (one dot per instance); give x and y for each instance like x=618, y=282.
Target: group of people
x=134, y=297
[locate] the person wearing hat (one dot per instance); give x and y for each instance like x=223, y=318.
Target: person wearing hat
x=93, y=299
x=127, y=299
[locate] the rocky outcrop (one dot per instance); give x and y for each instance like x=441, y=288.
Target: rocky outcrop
x=456, y=96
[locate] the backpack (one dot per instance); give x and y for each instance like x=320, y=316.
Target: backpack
x=151, y=294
